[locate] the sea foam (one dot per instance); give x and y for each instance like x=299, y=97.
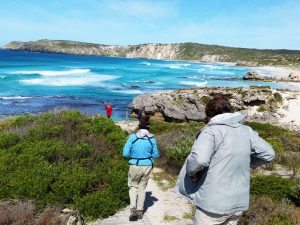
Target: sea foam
x=13, y=97
x=145, y=63
x=53, y=73
x=90, y=80
x=193, y=83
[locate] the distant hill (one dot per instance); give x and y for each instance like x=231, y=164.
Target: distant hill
x=180, y=51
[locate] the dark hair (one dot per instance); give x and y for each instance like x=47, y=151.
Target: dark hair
x=144, y=122
x=218, y=105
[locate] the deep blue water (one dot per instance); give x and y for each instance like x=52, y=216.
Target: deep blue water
x=37, y=82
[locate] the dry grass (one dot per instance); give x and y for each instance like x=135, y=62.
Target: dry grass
x=15, y=212
x=50, y=216
x=263, y=211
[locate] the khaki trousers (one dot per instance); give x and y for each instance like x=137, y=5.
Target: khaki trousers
x=207, y=218
x=138, y=177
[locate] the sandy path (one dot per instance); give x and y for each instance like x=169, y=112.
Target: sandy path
x=168, y=208
x=163, y=207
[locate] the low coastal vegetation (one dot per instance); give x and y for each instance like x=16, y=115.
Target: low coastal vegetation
x=63, y=159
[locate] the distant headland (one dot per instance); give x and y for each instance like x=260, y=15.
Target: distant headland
x=177, y=51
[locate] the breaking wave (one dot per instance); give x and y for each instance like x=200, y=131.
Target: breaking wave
x=145, y=63
x=53, y=73
x=91, y=80
x=13, y=97
x=193, y=83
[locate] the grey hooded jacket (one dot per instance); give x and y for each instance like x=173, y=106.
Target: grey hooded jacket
x=221, y=157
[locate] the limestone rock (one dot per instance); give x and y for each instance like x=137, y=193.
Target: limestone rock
x=187, y=105
x=294, y=77
x=252, y=76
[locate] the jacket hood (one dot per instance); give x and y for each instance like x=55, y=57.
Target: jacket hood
x=143, y=133
x=229, y=119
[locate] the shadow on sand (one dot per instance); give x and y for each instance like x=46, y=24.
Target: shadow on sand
x=150, y=200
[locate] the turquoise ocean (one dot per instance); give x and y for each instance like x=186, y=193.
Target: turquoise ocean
x=38, y=82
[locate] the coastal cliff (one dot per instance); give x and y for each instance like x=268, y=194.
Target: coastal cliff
x=180, y=51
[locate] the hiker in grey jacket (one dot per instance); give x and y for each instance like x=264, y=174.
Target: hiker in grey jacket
x=216, y=174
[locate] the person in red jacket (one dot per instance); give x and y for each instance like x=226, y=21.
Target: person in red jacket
x=108, y=109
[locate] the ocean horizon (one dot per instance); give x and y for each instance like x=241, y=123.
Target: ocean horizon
x=37, y=82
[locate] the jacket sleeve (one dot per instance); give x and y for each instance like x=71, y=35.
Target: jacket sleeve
x=202, y=151
x=155, y=153
x=127, y=147
x=262, y=152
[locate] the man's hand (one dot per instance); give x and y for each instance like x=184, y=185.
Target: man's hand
x=194, y=178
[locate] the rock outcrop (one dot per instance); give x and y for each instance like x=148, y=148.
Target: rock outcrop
x=253, y=75
x=187, y=105
x=294, y=77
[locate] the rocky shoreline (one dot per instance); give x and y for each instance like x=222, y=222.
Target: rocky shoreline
x=292, y=77
x=259, y=104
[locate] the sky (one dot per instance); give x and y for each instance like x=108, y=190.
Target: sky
x=269, y=24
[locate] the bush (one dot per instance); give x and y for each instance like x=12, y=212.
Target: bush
x=264, y=211
x=7, y=140
x=205, y=99
x=278, y=97
x=262, y=108
x=169, y=136
x=284, y=142
x=111, y=132
x=178, y=152
x=64, y=158
x=276, y=144
x=274, y=187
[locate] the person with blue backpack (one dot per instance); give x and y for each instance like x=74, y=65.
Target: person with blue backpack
x=141, y=149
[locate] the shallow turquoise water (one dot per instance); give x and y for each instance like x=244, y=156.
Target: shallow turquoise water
x=37, y=82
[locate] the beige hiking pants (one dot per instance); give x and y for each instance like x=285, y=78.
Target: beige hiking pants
x=207, y=218
x=138, y=177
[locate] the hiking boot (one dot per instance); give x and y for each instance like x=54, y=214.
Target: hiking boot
x=133, y=215
x=140, y=214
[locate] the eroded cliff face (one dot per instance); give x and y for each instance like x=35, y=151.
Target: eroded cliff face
x=155, y=51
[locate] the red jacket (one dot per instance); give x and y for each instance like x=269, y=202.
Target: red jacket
x=108, y=109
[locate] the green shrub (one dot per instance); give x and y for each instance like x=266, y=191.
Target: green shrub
x=262, y=108
x=264, y=211
x=64, y=158
x=72, y=182
x=282, y=218
x=205, y=99
x=8, y=139
x=278, y=97
x=277, y=188
x=112, y=133
x=23, y=120
x=285, y=142
x=276, y=144
x=178, y=152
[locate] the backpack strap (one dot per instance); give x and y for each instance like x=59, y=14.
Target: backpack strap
x=150, y=158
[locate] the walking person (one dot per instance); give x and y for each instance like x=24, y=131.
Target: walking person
x=216, y=174
x=108, y=109
x=141, y=149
